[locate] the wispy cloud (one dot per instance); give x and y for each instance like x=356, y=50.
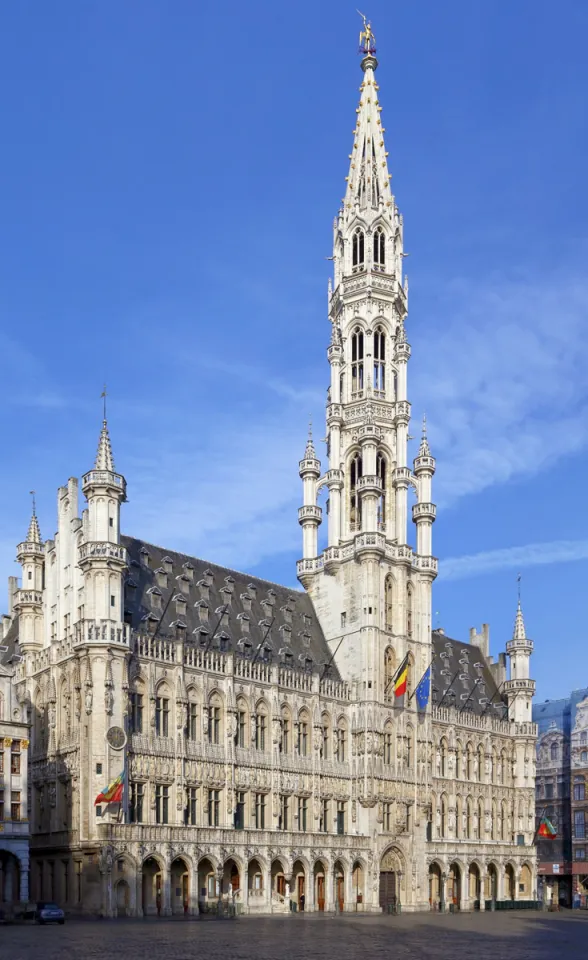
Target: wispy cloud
x=502, y=377
x=511, y=558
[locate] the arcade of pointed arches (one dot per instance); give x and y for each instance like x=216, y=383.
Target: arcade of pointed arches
x=473, y=885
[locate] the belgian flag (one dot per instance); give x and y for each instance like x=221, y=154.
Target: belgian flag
x=401, y=678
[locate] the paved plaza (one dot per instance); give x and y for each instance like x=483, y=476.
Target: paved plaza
x=417, y=937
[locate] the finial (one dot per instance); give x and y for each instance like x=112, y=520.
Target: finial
x=424, y=450
x=310, y=452
x=34, y=533
x=367, y=40
x=519, y=632
x=103, y=397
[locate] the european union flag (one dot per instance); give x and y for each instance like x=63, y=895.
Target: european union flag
x=423, y=689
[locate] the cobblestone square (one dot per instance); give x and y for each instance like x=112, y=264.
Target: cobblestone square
x=414, y=937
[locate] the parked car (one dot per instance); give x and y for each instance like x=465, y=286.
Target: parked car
x=48, y=912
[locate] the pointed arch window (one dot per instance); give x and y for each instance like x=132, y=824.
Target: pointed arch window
x=409, y=610
x=358, y=250
x=379, y=360
x=382, y=474
x=379, y=249
x=388, y=603
x=355, y=473
x=356, y=362
x=389, y=671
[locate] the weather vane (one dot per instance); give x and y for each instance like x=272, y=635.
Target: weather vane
x=367, y=40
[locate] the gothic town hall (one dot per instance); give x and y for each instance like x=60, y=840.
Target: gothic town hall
x=320, y=749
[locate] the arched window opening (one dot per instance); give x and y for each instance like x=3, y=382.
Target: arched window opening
x=388, y=602
x=469, y=819
x=355, y=473
x=388, y=744
x=409, y=610
x=554, y=751
x=381, y=472
x=444, y=758
x=503, y=821
x=358, y=250
x=340, y=746
x=379, y=360
x=459, y=817
x=379, y=249
x=481, y=763
x=443, y=816
x=458, y=760
x=356, y=362
x=469, y=762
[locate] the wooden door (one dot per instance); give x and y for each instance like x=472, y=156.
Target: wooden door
x=340, y=892
x=320, y=892
x=387, y=889
x=300, y=889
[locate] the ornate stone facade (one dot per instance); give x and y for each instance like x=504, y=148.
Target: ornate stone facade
x=269, y=762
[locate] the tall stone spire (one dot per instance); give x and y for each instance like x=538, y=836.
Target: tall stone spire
x=104, y=458
x=34, y=533
x=519, y=632
x=368, y=183
x=424, y=449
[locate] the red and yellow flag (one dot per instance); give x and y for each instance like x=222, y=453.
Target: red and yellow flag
x=113, y=792
x=546, y=829
x=401, y=679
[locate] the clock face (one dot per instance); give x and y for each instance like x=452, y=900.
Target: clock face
x=116, y=738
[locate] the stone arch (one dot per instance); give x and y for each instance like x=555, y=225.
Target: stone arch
x=526, y=881
x=233, y=873
x=181, y=884
x=436, y=892
x=279, y=881
x=492, y=881
x=474, y=891
x=358, y=882
x=509, y=881
x=300, y=875
x=256, y=880
x=392, y=865
x=454, y=883
x=208, y=882
x=152, y=871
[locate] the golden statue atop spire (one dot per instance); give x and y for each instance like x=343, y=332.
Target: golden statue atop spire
x=367, y=39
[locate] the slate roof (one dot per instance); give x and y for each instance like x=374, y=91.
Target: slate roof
x=462, y=678
x=10, y=641
x=173, y=587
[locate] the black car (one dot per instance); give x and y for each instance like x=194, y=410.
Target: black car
x=48, y=912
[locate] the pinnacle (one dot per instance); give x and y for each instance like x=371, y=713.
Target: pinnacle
x=519, y=632
x=424, y=449
x=104, y=459
x=368, y=182
x=310, y=452
x=34, y=533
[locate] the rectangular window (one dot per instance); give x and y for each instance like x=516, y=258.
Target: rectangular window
x=192, y=724
x=260, y=731
x=302, y=738
x=136, y=803
x=284, y=822
x=324, y=820
x=162, y=716
x=15, y=805
x=192, y=806
x=214, y=725
x=241, y=727
x=239, y=819
x=15, y=757
x=341, y=805
x=213, y=808
x=549, y=791
x=579, y=825
x=161, y=803
x=136, y=713
x=388, y=814
x=285, y=739
x=325, y=743
x=302, y=814
x=340, y=744
x=111, y=599
x=580, y=853
x=579, y=791
x=260, y=811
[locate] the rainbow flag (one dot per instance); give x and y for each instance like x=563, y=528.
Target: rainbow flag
x=401, y=678
x=546, y=829
x=113, y=792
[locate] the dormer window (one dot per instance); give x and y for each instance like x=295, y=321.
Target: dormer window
x=161, y=577
x=226, y=595
x=145, y=558
x=208, y=577
x=188, y=569
x=200, y=635
x=266, y=653
x=168, y=564
x=266, y=607
x=307, y=661
x=246, y=599
x=202, y=608
x=288, y=658
x=244, y=621
x=183, y=583
x=150, y=622
x=286, y=632
x=156, y=598
x=252, y=589
x=246, y=647
x=286, y=614
x=180, y=602
x=223, y=614
x=230, y=584
x=305, y=637
x=180, y=627
x=306, y=619
x=224, y=643
x=204, y=589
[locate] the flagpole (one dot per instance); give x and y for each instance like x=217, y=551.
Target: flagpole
x=397, y=674
x=453, y=679
x=421, y=680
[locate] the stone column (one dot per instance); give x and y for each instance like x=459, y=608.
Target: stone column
x=329, y=888
x=166, y=891
x=139, y=893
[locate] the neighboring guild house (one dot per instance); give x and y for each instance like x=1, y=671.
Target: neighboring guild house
x=14, y=824
x=275, y=755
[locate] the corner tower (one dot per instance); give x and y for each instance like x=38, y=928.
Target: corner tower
x=370, y=587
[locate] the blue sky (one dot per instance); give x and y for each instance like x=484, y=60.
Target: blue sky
x=170, y=176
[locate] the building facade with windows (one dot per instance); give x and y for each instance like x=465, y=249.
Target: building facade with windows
x=14, y=824
x=562, y=765
x=267, y=758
